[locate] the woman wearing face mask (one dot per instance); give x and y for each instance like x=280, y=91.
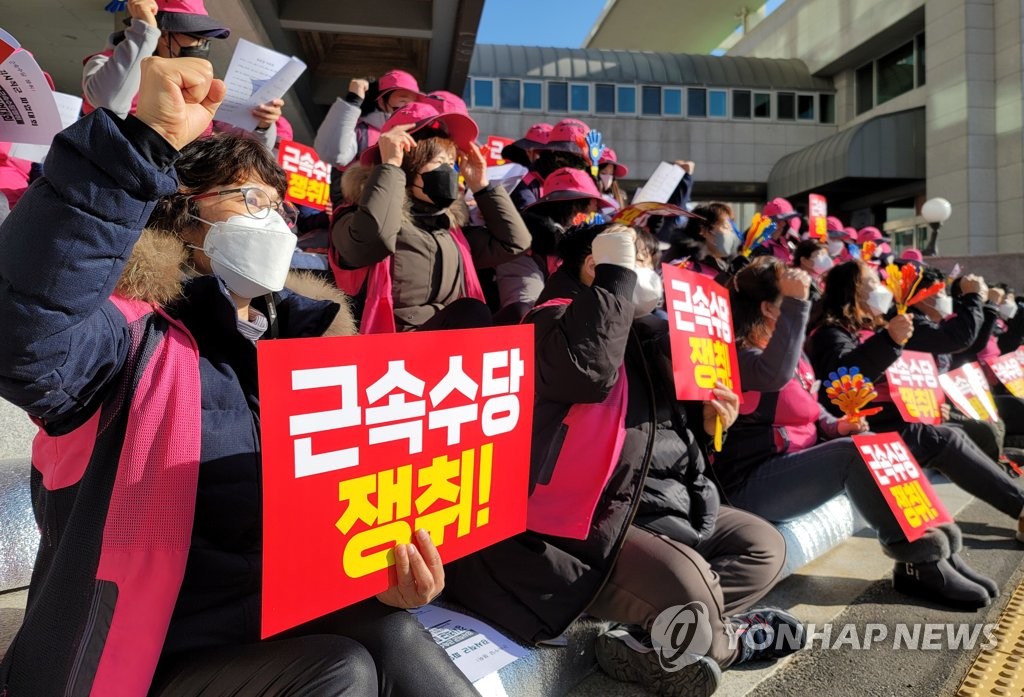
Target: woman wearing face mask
x=607, y=179
x=812, y=257
x=715, y=230
x=854, y=333
x=401, y=250
x=168, y=29
x=146, y=469
x=786, y=455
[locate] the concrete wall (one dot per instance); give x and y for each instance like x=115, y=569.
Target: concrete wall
x=995, y=268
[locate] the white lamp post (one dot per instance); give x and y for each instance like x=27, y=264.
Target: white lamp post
x=935, y=212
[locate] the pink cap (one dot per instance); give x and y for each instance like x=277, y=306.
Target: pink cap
x=912, y=255
x=783, y=209
x=568, y=184
x=188, y=17
x=446, y=102
x=536, y=137
x=608, y=157
x=869, y=234
x=850, y=233
x=569, y=135
x=396, y=80
x=461, y=129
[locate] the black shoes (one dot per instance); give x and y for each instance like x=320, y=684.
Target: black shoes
x=941, y=582
x=767, y=634
x=626, y=653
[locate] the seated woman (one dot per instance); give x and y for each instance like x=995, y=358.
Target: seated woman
x=401, y=250
x=854, y=333
x=146, y=469
x=622, y=522
x=713, y=244
x=786, y=455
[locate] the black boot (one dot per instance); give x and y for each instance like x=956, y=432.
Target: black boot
x=939, y=582
x=956, y=543
x=767, y=634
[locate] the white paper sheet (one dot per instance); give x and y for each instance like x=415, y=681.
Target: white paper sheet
x=68, y=106
x=256, y=75
x=28, y=112
x=661, y=184
x=477, y=649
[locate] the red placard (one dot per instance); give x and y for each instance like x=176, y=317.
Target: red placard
x=309, y=177
x=700, y=331
x=914, y=387
x=817, y=214
x=369, y=438
x=493, y=148
x=1010, y=371
x=907, y=491
x=968, y=389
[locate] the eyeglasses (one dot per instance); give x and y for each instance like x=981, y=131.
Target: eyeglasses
x=258, y=203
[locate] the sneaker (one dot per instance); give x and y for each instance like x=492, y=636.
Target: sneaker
x=767, y=634
x=627, y=654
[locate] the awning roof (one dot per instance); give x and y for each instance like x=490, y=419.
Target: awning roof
x=889, y=147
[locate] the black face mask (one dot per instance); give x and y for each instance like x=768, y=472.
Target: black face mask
x=201, y=50
x=441, y=185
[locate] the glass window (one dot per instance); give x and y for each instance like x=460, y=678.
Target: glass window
x=920, y=59
x=558, y=96
x=718, y=104
x=827, y=108
x=509, y=93
x=865, y=88
x=467, y=93
x=805, y=107
x=673, y=101
x=483, y=94
x=696, y=102
x=650, y=101
x=785, y=106
x=580, y=97
x=762, y=105
x=741, y=104
x=532, y=95
x=896, y=73
x=604, y=99
x=626, y=97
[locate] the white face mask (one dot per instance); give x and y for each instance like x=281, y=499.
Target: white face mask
x=1008, y=310
x=835, y=248
x=606, y=181
x=821, y=263
x=251, y=255
x=648, y=292
x=943, y=305
x=880, y=300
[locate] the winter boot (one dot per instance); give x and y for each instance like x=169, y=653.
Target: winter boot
x=767, y=634
x=956, y=543
x=923, y=570
x=626, y=653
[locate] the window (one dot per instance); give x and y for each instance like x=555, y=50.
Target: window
x=827, y=108
x=762, y=105
x=696, y=102
x=483, y=94
x=741, y=104
x=718, y=104
x=919, y=41
x=650, y=101
x=604, y=99
x=532, y=96
x=895, y=73
x=580, y=98
x=508, y=91
x=673, y=101
x=626, y=98
x=865, y=88
x=805, y=107
x=467, y=92
x=558, y=96
x=785, y=106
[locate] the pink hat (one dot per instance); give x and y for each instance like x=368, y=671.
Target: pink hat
x=912, y=255
x=461, y=129
x=188, y=17
x=569, y=135
x=568, y=184
x=850, y=233
x=870, y=234
x=608, y=157
x=781, y=209
x=536, y=137
x=446, y=102
x=396, y=80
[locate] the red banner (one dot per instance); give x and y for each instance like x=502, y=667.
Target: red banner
x=493, y=148
x=367, y=439
x=1010, y=371
x=968, y=389
x=309, y=178
x=700, y=330
x=817, y=214
x=914, y=387
x=907, y=491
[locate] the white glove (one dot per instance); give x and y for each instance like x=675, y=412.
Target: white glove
x=616, y=247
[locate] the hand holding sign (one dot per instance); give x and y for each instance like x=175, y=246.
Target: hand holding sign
x=720, y=412
x=418, y=576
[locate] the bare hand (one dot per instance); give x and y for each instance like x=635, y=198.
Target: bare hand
x=996, y=295
x=848, y=428
x=724, y=405
x=973, y=284
x=418, y=576
x=473, y=167
x=395, y=143
x=945, y=410
x=144, y=10
x=358, y=86
x=901, y=328
x=178, y=97
x=795, y=283
x=687, y=165
x=267, y=114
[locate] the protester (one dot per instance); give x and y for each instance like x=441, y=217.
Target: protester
x=147, y=463
x=812, y=257
x=168, y=29
x=717, y=243
x=609, y=174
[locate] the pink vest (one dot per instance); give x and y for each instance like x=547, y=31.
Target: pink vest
x=796, y=415
x=14, y=174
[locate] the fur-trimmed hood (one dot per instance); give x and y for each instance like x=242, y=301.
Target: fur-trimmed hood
x=157, y=268
x=353, y=181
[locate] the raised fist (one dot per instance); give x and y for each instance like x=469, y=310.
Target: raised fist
x=178, y=97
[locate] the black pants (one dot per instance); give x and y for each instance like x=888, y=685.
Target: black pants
x=365, y=650
x=465, y=313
